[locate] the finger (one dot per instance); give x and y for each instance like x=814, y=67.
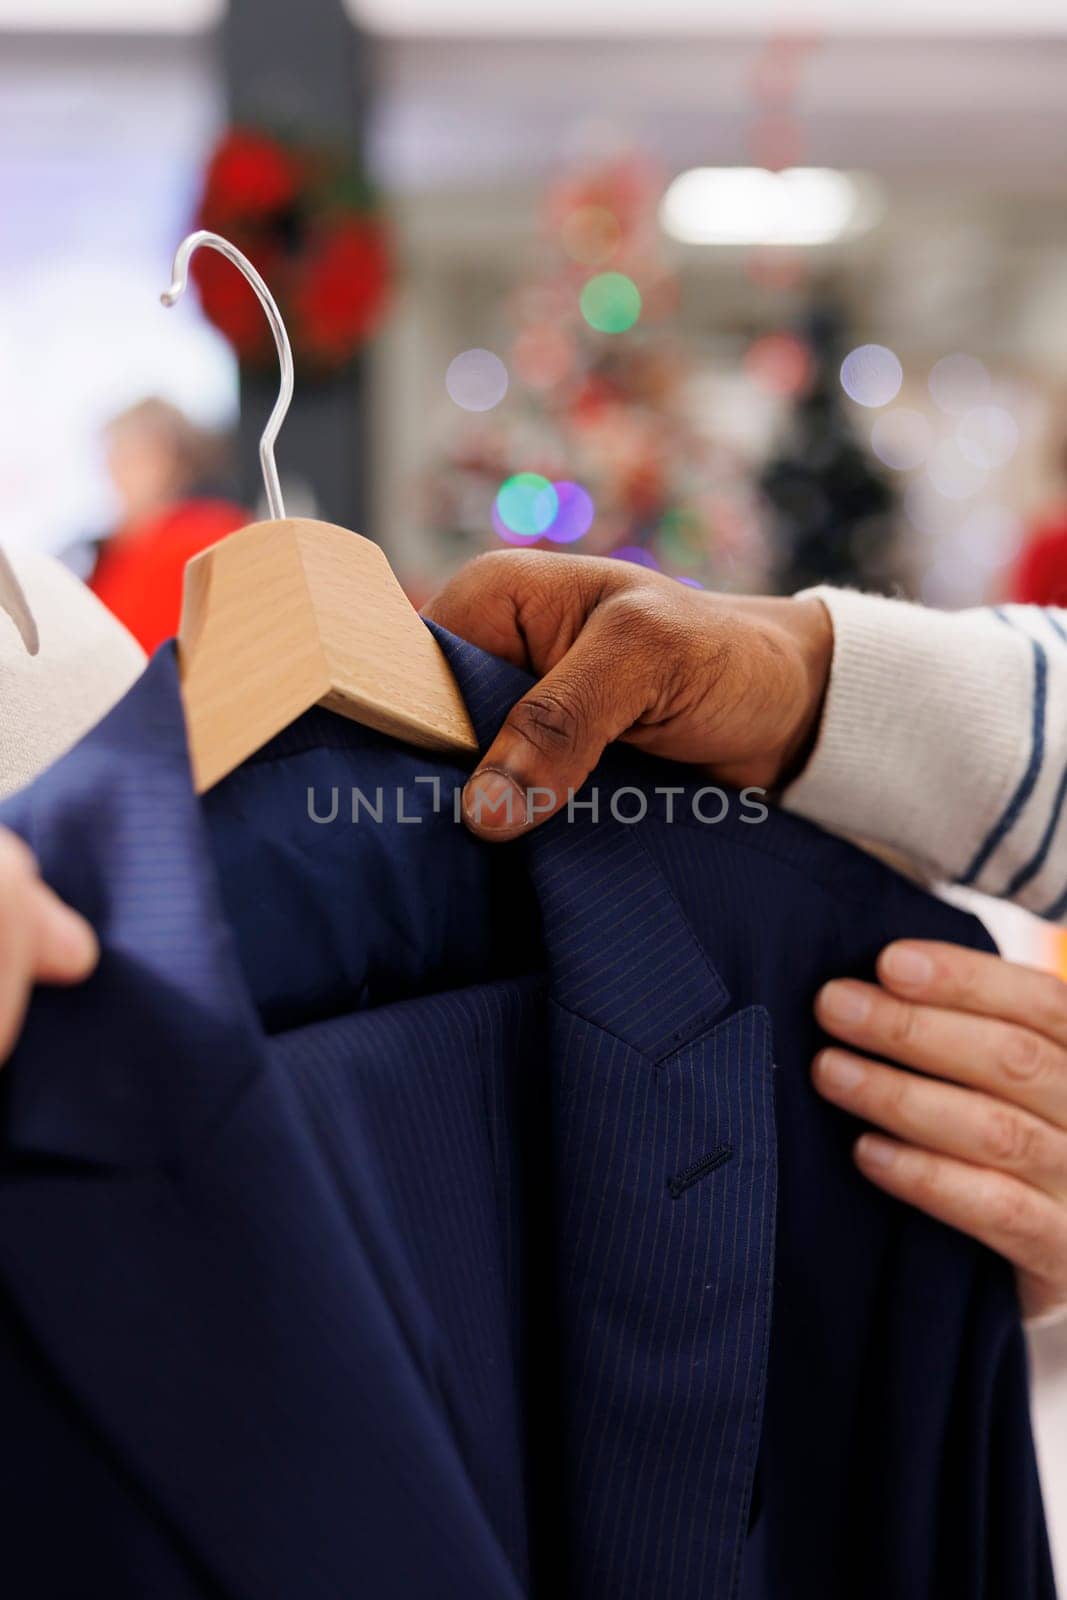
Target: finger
x=1009, y=1216
x=64, y=946
x=481, y=605
x=1001, y=1058
x=973, y=980
x=555, y=735
x=526, y=606
x=17, y=876
x=946, y=1119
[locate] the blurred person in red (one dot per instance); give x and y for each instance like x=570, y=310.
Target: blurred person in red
x=1040, y=579
x=165, y=471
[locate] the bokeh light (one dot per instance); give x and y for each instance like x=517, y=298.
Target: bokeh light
x=958, y=382
x=542, y=355
x=988, y=436
x=502, y=531
x=991, y=535
x=780, y=363
x=776, y=267
x=927, y=510
x=575, y=515
x=527, y=504
x=611, y=302
x=952, y=581
x=477, y=380
x=680, y=536
x=638, y=555
x=901, y=438
x=591, y=235
x=951, y=473
x=871, y=375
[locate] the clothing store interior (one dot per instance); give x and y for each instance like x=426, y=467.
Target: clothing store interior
x=397, y=1201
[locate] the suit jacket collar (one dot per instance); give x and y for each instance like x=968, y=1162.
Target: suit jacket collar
x=609, y=915
x=152, y=1261
x=167, y=1033
x=124, y=1069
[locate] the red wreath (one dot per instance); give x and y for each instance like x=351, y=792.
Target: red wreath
x=307, y=219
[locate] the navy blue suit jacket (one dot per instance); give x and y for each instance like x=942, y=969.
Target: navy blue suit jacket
x=391, y=1216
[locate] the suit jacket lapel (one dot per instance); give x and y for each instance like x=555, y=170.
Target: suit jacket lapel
x=224, y=1329
x=664, y=1174
x=171, y=1237
x=620, y=950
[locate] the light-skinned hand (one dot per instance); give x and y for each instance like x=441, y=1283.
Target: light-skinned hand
x=976, y=1133
x=41, y=939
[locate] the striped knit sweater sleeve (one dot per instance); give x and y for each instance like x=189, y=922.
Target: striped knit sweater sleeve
x=944, y=738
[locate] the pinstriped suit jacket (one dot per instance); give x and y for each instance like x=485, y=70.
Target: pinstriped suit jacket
x=391, y=1216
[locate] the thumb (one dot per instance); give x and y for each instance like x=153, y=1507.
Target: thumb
x=555, y=735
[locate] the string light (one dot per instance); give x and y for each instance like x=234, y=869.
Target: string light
x=477, y=380
x=542, y=356
x=638, y=555
x=680, y=537
x=503, y=532
x=988, y=436
x=950, y=581
x=871, y=375
x=991, y=535
x=952, y=474
x=780, y=363
x=901, y=438
x=611, y=302
x=574, y=516
x=590, y=235
x=958, y=382
x=527, y=504
x=925, y=508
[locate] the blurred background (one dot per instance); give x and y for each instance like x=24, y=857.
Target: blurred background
x=756, y=295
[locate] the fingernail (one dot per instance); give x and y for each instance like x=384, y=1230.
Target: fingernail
x=836, y=1070
x=493, y=800
x=845, y=1002
x=907, y=966
x=875, y=1152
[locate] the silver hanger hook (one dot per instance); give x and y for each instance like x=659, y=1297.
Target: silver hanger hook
x=169, y=297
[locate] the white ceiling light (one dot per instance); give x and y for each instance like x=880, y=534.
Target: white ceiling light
x=750, y=205
x=109, y=16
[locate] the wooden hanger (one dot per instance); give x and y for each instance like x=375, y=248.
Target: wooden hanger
x=291, y=613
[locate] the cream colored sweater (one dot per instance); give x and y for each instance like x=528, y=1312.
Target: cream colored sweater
x=944, y=739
